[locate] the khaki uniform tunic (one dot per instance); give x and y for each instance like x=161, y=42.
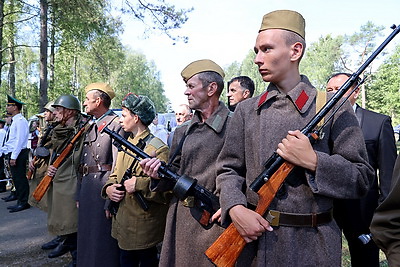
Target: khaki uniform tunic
x=133, y=227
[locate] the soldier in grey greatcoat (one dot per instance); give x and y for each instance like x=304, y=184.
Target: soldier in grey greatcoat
x=336, y=166
x=96, y=247
x=185, y=240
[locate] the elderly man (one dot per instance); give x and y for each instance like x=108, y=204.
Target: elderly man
x=354, y=215
x=95, y=245
x=196, y=145
x=239, y=88
x=183, y=113
x=303, y=232
x=16, y=153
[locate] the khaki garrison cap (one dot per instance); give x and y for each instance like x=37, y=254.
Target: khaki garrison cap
x=101, y=87
x=285, y=20
x=201, y=66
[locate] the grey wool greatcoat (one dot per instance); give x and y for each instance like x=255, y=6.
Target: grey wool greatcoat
x=96, y=247
x=62, y=211
x=257, y=127
x=185, y=240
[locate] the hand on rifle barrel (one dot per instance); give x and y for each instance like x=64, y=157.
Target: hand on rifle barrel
x=249, y=224
x=114, y=194
x=32, y=165
x=150, y=167
x=296, y=149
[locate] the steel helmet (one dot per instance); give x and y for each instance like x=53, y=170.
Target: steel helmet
x=49, y=106
x=67, y=101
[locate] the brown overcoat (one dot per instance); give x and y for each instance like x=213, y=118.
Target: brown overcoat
x=257, y=127
x=185, y=240
x=133, y=227
x=62, y=217
x=96, y=247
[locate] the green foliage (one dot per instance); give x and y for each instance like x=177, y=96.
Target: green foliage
x=383, y=92
x=322, y=59
x=140, y=77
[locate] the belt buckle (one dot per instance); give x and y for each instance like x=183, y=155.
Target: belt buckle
x=273, y=217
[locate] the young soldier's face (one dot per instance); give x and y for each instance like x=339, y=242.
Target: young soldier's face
x=128, y=120
x=273, y=55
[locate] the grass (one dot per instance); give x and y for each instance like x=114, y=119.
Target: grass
x=346, y=262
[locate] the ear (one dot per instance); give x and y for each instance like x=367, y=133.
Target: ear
x=356, y=93
x=212, y=88
x=296, y=51
x=246, y=93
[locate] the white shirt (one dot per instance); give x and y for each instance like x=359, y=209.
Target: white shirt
x=2, y=136
x=18, y=136
x=159, y=131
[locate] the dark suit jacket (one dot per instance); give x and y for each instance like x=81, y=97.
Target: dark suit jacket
x=355, y=215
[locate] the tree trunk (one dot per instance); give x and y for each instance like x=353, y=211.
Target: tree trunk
x=1, y=35
x=43, y=54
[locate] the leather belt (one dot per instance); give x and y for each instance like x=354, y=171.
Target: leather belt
x=85, y=170
x=277, y=218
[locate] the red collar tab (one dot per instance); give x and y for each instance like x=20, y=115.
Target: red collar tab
x=301, y=100
x=262, y=100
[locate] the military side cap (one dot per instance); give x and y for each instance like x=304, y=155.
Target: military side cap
x=12, y=100
x=140, y=105
x=285, y=20
x=101, y=87
x=201, y=66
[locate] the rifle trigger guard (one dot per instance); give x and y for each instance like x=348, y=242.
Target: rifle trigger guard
x=182, y=186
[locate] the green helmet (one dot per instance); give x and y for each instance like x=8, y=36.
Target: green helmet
x=49, y=106
x=67, y=101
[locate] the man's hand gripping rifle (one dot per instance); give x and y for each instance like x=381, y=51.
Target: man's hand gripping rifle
x=205, y=202
x=227, y=248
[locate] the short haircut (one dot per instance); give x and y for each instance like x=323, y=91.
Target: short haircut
x=244, y=82
x=208, y=77
x=104, y=97
x=188, y=109
x=357, y=81
x=292, y=38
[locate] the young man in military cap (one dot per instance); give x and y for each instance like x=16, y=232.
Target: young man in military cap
x=96, y=247
x=185, y=239
x=16, y=152
x=336, y=166
x=62, y=219
x=137, y=230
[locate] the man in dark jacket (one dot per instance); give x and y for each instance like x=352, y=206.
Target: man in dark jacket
x=354, y=215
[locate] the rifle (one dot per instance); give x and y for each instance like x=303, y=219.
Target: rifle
x=227, y=248
x=45, y=183
x=113, y=206
x=41, y=147
x=206, y=203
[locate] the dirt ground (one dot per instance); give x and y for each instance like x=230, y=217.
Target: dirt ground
x=21, y=236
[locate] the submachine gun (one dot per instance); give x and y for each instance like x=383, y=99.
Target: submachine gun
x=227, y=248
x=206, y=203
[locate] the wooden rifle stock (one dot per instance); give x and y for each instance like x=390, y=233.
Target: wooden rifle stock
x=45, y=183
x=226, y=249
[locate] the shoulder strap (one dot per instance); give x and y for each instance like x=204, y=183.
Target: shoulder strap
x=320, y=102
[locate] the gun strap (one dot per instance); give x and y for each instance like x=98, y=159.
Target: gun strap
x=177, y=150
x=320, y=102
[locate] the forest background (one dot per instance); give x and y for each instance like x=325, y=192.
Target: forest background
x=54, y=47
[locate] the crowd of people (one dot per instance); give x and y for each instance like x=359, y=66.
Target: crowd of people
x=108, y=207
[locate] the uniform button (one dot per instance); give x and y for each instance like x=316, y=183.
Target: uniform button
x=97, y=156
x=95, y=176
x=98, y=144
x=85, y=154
